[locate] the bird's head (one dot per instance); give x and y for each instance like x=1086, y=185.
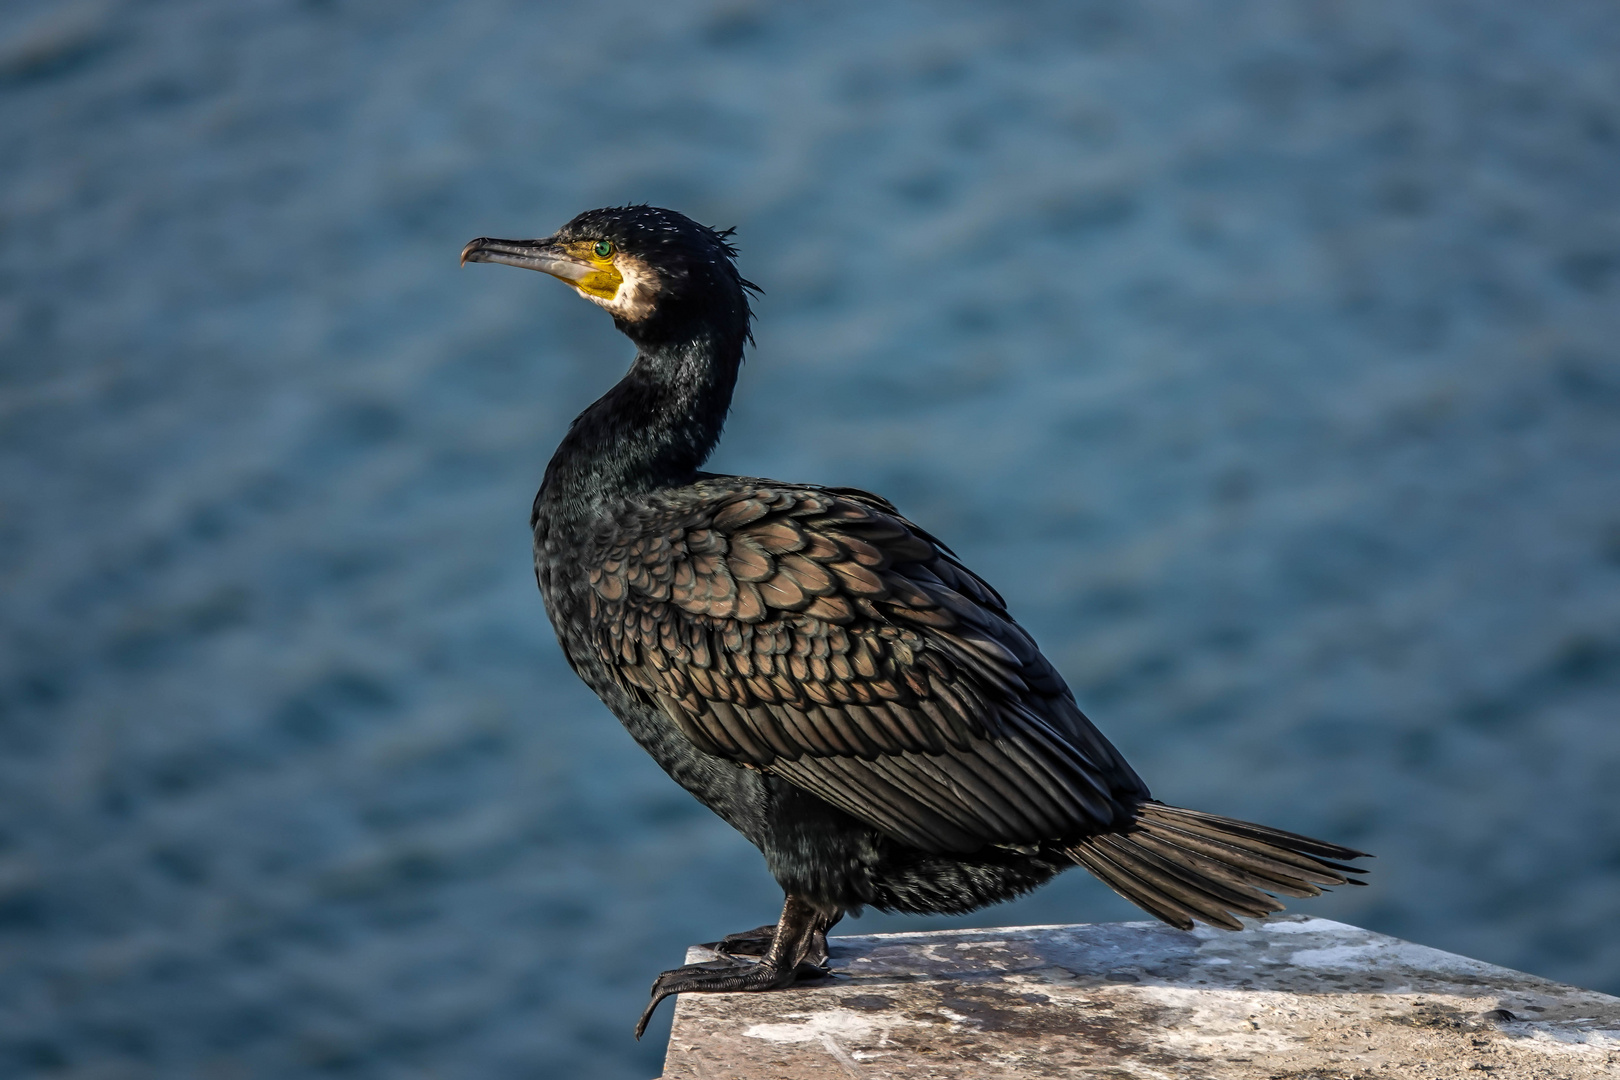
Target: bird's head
x=660, y=274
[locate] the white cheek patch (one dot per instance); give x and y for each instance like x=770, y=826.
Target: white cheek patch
x=637, y=293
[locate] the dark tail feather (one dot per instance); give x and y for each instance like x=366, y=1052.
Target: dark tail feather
x=1181, y=865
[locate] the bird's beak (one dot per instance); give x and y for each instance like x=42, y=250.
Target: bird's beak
x=546, y=256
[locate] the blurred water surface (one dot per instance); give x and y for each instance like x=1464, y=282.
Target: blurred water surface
x=1262, y=353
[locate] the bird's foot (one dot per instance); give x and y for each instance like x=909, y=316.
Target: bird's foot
x=795, y=948
x=758, y=942
x=718, y=977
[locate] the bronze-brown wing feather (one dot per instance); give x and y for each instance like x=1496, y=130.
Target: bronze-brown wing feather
x=816, y=634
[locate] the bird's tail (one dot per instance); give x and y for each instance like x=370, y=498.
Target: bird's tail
x=1181, y=865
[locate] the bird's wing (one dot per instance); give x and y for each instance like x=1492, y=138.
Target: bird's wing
x=817, y=635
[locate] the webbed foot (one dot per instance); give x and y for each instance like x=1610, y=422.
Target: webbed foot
x=716, y=977
x=795, y=948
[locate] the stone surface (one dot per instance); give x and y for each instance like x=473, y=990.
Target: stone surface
x=1292, y=997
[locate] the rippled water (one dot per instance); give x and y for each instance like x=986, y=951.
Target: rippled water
x=1263, y=355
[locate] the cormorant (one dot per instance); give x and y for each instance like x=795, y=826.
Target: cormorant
x=818, y=670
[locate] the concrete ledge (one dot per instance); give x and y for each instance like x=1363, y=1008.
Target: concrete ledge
x=1292, y=998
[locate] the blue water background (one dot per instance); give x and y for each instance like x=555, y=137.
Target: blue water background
x=1264, y=354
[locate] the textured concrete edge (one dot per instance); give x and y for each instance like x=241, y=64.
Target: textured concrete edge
x=1290, y=997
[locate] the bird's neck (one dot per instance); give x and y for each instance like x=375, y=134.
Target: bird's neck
x=653, y=430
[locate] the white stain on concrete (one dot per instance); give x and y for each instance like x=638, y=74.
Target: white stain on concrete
x=812, y=1026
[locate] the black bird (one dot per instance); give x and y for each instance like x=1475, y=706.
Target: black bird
x=818, y=670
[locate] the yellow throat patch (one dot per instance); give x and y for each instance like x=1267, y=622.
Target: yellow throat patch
x=604, y=282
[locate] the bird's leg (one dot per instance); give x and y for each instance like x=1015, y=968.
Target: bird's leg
x=800, y=936
x=757, y=942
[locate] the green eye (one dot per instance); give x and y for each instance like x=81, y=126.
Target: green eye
x=604, y=248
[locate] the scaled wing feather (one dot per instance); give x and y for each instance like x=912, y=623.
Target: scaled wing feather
x=816, y=634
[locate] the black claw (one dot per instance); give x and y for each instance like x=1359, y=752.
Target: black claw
x=646, y=1015
x=807, y=970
